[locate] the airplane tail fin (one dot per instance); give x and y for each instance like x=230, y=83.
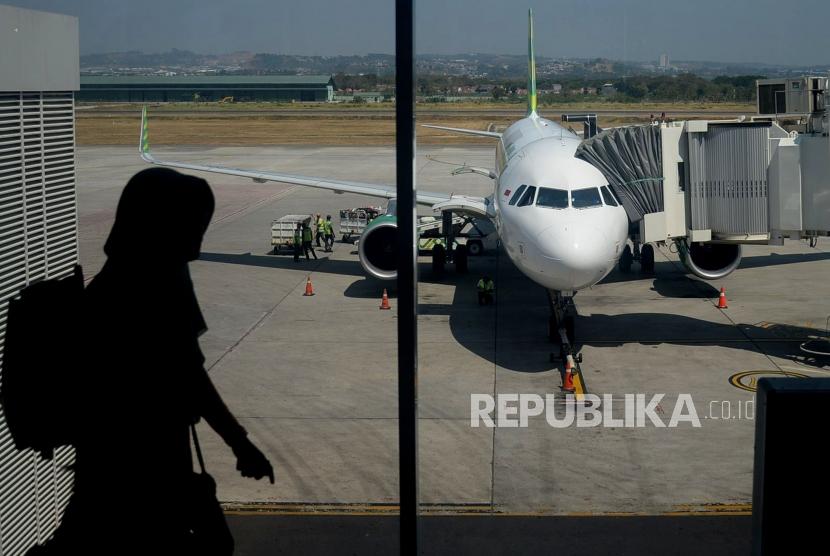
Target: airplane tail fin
x=531, y=67
x=144, y=138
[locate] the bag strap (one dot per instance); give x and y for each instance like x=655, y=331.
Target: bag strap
x=196, y=446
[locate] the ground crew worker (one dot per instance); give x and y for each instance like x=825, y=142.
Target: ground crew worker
x=320, y=229
x=298, y=242
x=307, y=245
x=485, y=287
x=329, y=231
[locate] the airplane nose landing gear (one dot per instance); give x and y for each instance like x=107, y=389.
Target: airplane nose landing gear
x=562, y=330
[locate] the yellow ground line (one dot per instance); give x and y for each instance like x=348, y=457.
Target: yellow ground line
x=579, y=386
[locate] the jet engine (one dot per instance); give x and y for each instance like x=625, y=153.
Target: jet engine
x=378, y=248
x=710, y=261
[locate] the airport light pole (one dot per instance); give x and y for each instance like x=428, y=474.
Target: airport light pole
x=407, y=274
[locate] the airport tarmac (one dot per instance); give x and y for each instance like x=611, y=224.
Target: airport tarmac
x=314, y=379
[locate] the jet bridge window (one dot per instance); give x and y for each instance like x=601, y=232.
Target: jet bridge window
x=553, y=198
x=586, y=198
x=608, y=197
x=517, y=194
x=527, y=198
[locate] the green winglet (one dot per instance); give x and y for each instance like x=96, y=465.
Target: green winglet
x=144, y=140
x=531, y=67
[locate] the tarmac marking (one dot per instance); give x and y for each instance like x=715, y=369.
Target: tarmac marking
x=264, y=316
x=756, y=342
x=255, y=205
x=579, y=386
x=748, y=380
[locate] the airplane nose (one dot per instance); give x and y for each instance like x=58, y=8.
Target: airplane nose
x=577, y=251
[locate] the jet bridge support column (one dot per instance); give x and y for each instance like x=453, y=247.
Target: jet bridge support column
x=448, y=233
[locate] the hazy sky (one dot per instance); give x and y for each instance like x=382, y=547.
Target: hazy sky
x=778, y=32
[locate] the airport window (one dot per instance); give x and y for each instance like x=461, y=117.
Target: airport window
x=518, y=194
x=608, y=197
x=552, y=198
x=586, y=198
x=527, y=198
x=429, y=360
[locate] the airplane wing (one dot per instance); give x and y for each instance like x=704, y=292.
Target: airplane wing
x=478, y=132
x=338, y=186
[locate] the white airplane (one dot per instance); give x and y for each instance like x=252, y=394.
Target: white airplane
x=556, y=216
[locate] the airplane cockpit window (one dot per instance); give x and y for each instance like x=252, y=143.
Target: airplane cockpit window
x=527, y=198
x=586, y=198
x=517, y=194
x=608, y=197
x=553, y=198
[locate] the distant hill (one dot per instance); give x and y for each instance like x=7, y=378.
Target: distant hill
x=486, y=66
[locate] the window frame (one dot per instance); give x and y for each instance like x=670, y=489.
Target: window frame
x=516, y=195
x=599, y=197
x=565, y=191
x=531, y=190
x=606, y=189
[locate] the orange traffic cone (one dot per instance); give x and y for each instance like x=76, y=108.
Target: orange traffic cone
x=309, y=290
x=568, y=383
x=384, y=302
x=722, y=299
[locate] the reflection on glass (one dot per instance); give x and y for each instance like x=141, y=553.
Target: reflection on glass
x=518, y=194
x=585, y=198
x=527, y=198
x=608, y=197
x=553, y=198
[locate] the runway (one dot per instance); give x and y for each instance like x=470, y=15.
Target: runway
x=314, y=379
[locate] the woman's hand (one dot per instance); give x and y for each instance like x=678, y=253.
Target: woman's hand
x=251, y=462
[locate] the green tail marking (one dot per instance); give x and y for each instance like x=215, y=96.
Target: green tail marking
x=531, y=66
x=145, y=132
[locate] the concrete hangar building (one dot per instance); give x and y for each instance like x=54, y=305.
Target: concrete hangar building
x=139, y=88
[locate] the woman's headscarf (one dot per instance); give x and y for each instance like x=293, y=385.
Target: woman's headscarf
x=162, y=215
x=159, y=224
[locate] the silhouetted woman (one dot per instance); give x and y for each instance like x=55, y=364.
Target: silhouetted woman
x=144, y=382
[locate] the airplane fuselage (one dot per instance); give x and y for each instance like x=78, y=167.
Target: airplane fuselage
x=555, y=214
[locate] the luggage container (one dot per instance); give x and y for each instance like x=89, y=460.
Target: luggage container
x=354, y=221
x=282, y=231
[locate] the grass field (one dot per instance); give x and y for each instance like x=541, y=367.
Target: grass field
x=430, y=106
x=246, y=130
x=245, y=124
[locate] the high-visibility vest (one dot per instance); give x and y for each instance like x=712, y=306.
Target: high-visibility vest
x=328, y=228
x=298, y=237
x=306, y=234
x=321, y=225
x=486, y=287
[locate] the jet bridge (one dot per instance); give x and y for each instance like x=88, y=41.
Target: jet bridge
x=720, y=182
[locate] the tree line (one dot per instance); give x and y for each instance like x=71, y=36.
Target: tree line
x=638, y=88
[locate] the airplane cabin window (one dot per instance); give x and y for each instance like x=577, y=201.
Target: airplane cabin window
x=608, y=197
x=527, y=198
x=517, y=194
x=586, y=198
x=553, y=198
